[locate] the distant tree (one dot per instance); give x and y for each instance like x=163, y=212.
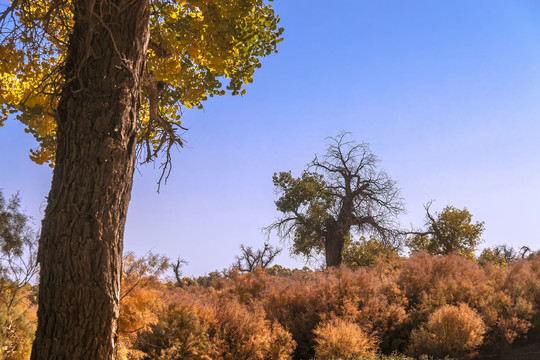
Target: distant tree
x=451, y=230
x=342, y=192
x=493, y=256
x=177, y=271
x=365, y=252
x=251, y=259
x=504, y=254
x=18, y=267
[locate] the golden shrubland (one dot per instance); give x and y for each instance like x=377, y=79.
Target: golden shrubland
x=424, y=304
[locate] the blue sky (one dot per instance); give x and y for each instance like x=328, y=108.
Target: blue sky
x=445, y=92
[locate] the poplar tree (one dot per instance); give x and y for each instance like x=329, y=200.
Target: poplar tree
x=340, y=193
x=96, y=82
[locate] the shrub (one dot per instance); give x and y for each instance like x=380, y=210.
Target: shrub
x=369, y=299
x=341, y=339
x=202, y=325
x=179, y=334
x=454, y=331
x=430, y=282
x=298, y=303
x=242, y=332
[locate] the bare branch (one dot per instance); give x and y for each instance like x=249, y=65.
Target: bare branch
x=251, y=259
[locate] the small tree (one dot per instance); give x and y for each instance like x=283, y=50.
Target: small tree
x=451, y=230
x=251, y=259
x=177, y=271
x=18, y=267
x=141, y=299
x=341, y=193
x=91, y=79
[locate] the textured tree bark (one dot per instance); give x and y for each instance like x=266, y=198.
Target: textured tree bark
x=80, y=250
x=334, y=248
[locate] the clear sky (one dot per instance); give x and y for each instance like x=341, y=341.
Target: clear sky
x=447, y=94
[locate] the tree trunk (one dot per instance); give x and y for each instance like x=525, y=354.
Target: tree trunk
x=80, y=250
x=334, y=243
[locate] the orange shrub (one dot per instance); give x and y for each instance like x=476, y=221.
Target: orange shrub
x=201, y=324
x=371, y=299
x=302, y=301
x=454, y=331
x=141, y=299
x=430, y=282
x=248, y=287
x=298, y=303
x=502, y=296
x=179, y=334
x=262, y=316
x=241, y=332
x=342, y=339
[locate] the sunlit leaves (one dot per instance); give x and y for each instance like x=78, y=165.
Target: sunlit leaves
x=198, y=49
x=451, y=230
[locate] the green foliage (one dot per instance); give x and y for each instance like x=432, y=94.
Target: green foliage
x=310, y=200
x=451, y=230
x=504, y=254
x=364, y=252
x=15, y=233
x=493, y=256
x=278, y=270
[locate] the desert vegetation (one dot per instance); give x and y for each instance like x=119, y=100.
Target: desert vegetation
x=421, y=306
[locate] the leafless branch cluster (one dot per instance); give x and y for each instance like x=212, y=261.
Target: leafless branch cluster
x=251, y=259
x=151, y=146
x=367, y=197
x=509, y=254
x=430, y=224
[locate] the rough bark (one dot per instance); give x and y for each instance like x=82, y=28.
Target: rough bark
x=80, y=251
x=334, y=243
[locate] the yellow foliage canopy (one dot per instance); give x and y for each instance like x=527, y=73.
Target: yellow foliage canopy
x=194, y=45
